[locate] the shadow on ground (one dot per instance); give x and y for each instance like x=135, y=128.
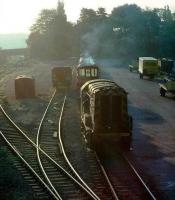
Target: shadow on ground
x=150, y=160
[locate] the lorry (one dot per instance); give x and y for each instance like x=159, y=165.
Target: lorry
x=148, y=66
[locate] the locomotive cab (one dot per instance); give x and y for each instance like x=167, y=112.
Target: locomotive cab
x=86, y=73
x=86, y=70
x=104, y=116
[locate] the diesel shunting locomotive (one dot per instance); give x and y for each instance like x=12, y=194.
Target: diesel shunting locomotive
x=104, y=114
x=86, y=70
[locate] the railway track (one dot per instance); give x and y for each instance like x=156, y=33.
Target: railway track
x=47, y=139
x=26, y=162
x=74, y=150
x=57, y=164
x=124, y=178
x=41, y=164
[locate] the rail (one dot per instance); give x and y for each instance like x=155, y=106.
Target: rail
x=28, y=166
x=44, y=153
x=38, y=147
x=88, y=189
x=140, y=178
x=107, y=179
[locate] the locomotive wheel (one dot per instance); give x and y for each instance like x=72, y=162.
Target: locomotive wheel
x=162, y=92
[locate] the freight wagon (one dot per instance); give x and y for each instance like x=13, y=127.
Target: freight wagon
x=61, y=77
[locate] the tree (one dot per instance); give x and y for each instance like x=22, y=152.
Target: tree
x=101, y=12
x=167, y=32
x=127, y=17
x=95, y=32
x=128, y=32
x=151, y=32
x=61, y=11
x=87, y=15
x=128, y=24
x=60, y=35
x=44, y=21
x=52, y=33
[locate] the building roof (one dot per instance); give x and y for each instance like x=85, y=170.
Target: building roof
x=147, y=58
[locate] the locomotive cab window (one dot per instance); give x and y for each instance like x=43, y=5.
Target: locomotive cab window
x=81, y=72
x=88, y=72
x=94, y=72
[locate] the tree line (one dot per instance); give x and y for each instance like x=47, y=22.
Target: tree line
x=127, y=32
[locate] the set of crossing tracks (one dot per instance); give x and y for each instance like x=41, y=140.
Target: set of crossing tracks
x=58, y=166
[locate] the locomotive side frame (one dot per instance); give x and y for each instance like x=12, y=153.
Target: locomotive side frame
x=104, y=115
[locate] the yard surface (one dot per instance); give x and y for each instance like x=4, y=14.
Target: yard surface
x=153, y=117
x=153, y=131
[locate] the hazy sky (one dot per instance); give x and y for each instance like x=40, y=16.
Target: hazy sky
x=18, y=15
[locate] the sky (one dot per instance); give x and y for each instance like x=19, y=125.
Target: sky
x=16, y=16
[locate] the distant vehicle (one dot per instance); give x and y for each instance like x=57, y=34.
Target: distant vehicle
x=148, y=66
x=166, y=65
x=133, y=67
x=104, y=114
x=61, y=77
x=168, y=86
x=86, y=70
